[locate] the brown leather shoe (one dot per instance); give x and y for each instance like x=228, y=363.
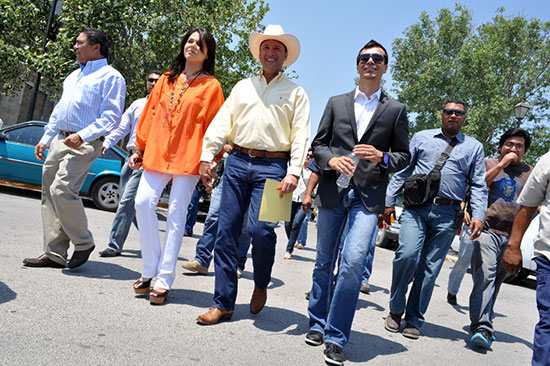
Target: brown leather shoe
x=42, y=261
x=257, y=302
x=214, y=316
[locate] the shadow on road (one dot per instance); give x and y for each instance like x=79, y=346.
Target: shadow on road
x=6, y=293
x=364, y=347
x=93, y=269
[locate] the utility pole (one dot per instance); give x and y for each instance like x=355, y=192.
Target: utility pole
x=35, y=87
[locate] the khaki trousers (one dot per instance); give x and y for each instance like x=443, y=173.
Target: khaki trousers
x=63, y=216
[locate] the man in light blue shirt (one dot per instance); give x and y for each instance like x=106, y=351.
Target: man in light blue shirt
x=427, y=231
x=90, y=107
x=129, y=178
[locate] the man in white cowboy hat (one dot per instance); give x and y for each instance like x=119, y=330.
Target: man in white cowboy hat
x=266, y=120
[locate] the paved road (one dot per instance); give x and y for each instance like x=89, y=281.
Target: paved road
x=90, y=316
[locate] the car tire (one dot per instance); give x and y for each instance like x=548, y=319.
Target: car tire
x=105, y=193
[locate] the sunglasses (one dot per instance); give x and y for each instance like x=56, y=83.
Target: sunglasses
x=152, y=80
x=310, y=156
x=458, y=112
x=365, y=57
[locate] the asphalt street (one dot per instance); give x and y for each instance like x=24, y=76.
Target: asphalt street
x=90, y=315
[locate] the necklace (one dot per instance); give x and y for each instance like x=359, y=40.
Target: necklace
x=183, y=88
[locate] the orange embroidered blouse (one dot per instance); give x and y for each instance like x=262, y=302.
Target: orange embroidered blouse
x=172, y=141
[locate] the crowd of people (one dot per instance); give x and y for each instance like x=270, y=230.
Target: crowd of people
x=181, y=129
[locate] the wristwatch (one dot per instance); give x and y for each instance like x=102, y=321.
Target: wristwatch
x=385, y=161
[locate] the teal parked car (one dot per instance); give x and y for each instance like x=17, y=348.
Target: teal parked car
x=19, y=165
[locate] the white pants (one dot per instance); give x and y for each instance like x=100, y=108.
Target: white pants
x=160, y=261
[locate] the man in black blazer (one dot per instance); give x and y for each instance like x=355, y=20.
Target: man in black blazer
x=375, y=128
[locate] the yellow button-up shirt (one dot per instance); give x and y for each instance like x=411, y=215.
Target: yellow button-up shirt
x=262, y=116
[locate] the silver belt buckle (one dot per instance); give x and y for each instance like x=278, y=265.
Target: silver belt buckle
x=249, y=151
x=435, y=201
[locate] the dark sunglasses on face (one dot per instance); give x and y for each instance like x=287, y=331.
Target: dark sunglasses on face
x=152, y=80
x=310, y=156
x=365, y=57
x=458, y=112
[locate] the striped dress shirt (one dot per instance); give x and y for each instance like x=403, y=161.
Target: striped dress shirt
x=91, y=104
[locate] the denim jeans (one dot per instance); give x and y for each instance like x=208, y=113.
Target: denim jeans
x=462, y=263
x=488, y=274
x=126, y=212
x=331, y=309
x=424, y=239
x=192, y=211
x=293, y=226
x=206, y=243
x=370, y=254
x=302, y=235
x=244, y=179
x=541, y=343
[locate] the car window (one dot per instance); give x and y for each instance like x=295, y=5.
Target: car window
x=111, y=155
x=29, y=135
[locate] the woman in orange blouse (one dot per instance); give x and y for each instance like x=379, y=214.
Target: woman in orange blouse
x=168, y=144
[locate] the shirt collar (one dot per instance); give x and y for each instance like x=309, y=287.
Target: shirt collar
x=92, y=66
x=459, y=136
x=278, y=77
x=377, y=94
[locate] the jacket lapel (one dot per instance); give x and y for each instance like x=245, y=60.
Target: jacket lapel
x=349, y=100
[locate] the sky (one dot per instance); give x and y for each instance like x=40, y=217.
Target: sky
x=332, y=32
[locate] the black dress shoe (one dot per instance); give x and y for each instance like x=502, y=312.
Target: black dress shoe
x=80, y=257
x=109, y=252
x=42, y=261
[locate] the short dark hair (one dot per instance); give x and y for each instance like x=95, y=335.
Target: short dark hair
x=178, y=65
x=156, y=72
x=371, y=44
x=515, y=132
x=95, y=36
x=455, y=101
x=281, y=42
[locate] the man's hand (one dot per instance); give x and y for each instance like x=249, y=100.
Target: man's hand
x=368, y=152
x=73, y=141
x=512, y=259
x=39, y=151
x=510, y=158
x=467, y=218
x=207, y=173
x=134, y=162
x=388, y=213
x=288, y=185
x=343, y=165
x=227, y=148
x=306, y=203
x=103, y=151
x=476, y=227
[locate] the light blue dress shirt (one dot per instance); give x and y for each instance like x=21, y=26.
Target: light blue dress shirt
x=465, y=165
x=91, y=104
x=128, y=124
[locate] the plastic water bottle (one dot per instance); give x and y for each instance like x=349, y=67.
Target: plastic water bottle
x=343, y=180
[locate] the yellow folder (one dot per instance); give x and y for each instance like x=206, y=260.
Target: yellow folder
x=273, y=207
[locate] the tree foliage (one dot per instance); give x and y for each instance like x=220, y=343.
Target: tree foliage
x=492, y=68
x=143, y=35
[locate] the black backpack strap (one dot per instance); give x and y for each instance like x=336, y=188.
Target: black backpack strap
x=445, y=155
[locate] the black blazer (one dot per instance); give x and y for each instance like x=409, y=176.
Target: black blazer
x=388, y=131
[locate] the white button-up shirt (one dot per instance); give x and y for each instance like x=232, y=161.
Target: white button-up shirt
x=364, y=108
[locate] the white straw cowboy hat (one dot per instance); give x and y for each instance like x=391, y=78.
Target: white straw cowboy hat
x=275, y=32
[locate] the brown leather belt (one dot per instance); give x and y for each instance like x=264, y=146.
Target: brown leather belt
x=253, y=153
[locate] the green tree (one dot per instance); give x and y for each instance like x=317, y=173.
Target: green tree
x=143, y=35
x=492, y=68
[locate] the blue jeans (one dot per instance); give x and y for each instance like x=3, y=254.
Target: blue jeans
x=293, y=226
x=126, y=212
x=244, y=179
x=425, y=237
x=192, y=211
x=331, y=309
x=302, y=235
x=206, y=243
x=488, y=274
x=541, y=343
x=462, y=263
x=370, y=254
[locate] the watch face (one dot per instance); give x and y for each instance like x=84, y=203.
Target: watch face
x=386, y=158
